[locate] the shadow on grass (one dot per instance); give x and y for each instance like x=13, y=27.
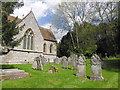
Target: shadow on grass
x=112, y=69
x=7, y=67
x=88, y=77
x=111, y=65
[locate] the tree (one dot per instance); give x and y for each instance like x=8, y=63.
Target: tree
x=108, y=18
x=72, y=14
x=9, y=28
x=108, y=42
x=105, y=11
x=87, y=41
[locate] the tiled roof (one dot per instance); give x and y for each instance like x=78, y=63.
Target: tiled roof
x=11, y=18
x=47, y=34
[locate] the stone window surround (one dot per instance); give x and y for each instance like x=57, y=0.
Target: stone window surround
x=29, y=35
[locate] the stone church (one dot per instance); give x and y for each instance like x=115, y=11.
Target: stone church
x=37, y=41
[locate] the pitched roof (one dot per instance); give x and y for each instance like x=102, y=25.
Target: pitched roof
x=47, y=34
x=11, y=18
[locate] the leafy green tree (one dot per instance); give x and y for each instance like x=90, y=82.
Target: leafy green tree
x=9, y=28
x=108, y=43
x=87, y=41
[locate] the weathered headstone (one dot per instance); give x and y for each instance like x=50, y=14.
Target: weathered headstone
x=39, y=63
x=70, y=60
x=61, y=59
x=74, y=60
x=64, y=62
x=44, y=61
x=34, y=66
x=81, y=67
x=96, y=72
x=56, y=60
x=48, y=61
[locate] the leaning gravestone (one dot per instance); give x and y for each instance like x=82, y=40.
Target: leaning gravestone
x=81, y=67
x=64, y=62
x=96, y=68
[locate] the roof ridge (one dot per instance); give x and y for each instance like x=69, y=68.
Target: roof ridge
x=47, y=34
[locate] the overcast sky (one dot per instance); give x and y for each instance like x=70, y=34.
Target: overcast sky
x=42, y=9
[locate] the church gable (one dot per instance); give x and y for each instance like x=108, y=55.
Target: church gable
x=30, y=23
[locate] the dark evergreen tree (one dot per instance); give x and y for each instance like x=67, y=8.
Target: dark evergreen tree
x=9, y=28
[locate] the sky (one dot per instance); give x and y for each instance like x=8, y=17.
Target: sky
x=43, y=10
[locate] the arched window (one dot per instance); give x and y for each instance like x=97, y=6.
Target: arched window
x=44, y=47
x=28, y=40
x=51, y=48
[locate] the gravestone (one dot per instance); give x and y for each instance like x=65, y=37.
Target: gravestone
x=48, y=61
x=74, y=60
x=34, y=66
x=8, y=74
x=44, y=60
x=70, y=60
x=39, y=63
x=56, y=60
x=81, y=66
x=64, y=62
x=61, y=60
x=96, y=72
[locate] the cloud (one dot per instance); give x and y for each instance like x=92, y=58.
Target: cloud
x=39, y=8
x=58, y=33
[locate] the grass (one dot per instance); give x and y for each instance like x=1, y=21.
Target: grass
x=111, y=58
x=62, y=79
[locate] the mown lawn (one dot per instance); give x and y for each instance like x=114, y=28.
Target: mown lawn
x=62, y=79
x=111, y=58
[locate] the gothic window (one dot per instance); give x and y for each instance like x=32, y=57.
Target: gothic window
x=51, y=48
x=28, y=40
x=44, y=47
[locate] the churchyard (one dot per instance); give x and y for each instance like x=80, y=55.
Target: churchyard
x=64, y=78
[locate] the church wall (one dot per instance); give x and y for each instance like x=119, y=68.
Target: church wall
x=18, y=57
x=48, y=43
x=30, y=22
x=47, y=54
